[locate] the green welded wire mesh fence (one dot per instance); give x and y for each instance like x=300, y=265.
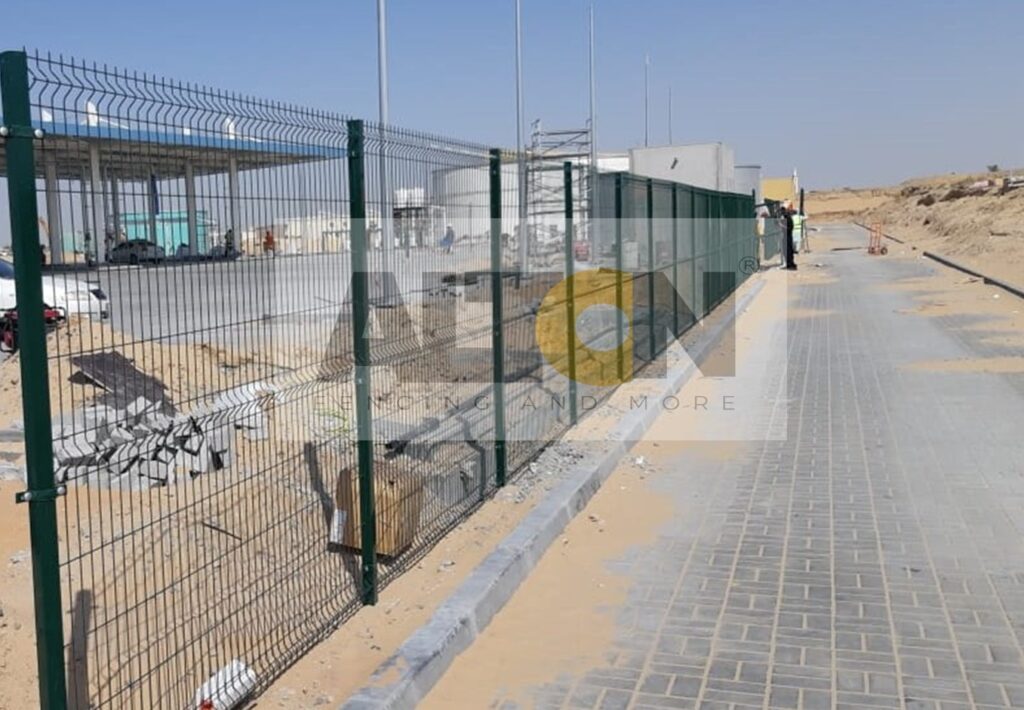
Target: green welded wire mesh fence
x=773, y=233
x=290, y=351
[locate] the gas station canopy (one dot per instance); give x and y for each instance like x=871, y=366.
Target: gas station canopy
x=138, y=154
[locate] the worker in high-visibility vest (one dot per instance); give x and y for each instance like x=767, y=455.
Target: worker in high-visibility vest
x=798, y=230
x=788, y=215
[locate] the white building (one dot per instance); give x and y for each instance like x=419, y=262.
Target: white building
x=707, y=165
x=748, y=180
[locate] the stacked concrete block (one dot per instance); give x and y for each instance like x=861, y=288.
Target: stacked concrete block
x=142, y=446
x=222, y=447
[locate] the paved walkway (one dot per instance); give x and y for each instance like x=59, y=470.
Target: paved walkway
x=872, y=558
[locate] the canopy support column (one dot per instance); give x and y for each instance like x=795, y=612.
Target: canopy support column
x=115, y=203
x=53, y=221
x=190, y=209
x=88, y=245
x=99, y=231
x=152, y=207
x=236, y=219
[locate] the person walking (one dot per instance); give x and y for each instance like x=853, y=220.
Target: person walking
x=787, y=214
x=449, y=240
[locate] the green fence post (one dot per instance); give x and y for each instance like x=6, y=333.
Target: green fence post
x=570, y=292
x=756, y=243
x=757, y=238
x=35, y=391
x=675, y=260
x=497, y=326
x=718, y=252
x=693, y=256
x=620, y=325
x=652, y=342
x=361, y=348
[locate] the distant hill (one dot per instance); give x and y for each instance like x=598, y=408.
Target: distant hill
x=971, y=218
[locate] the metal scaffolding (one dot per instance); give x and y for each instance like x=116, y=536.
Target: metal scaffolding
x=548, y=153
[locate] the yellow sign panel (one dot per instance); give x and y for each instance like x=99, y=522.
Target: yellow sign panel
x=778, y=189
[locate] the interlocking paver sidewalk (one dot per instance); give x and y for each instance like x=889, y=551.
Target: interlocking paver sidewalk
x=874, y=557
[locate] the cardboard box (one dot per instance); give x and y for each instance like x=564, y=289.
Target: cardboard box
x=398, y=491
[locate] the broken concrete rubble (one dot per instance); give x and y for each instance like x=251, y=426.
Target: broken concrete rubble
x=141, y=446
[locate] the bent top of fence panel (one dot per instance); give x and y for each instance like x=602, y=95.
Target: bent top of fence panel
x=78, y=105
x=634, y=178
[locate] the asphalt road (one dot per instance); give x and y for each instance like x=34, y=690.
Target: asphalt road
x=231, y=303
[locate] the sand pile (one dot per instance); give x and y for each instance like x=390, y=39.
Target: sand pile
x=970, y=218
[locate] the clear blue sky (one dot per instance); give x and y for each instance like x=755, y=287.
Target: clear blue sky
x=852, y=93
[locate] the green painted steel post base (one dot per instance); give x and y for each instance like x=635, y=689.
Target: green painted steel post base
x=675, y=261
x=35, y=392
x=620, y=316
x=651, y=261
x=361, y=350
x=570, y=293
x=497, y=326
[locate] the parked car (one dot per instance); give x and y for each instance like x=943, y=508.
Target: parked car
x=136, y=251
x=60, y=291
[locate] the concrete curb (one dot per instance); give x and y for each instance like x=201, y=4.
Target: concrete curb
x=407, y=676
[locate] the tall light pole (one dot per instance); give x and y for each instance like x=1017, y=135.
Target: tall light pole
x=594, y=170
x=524, y=246
x=670, y=115
x=387, y=239
x=382, y=59
x=647, y=100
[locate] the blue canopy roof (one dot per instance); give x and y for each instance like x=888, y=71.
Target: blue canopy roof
x=134, y=153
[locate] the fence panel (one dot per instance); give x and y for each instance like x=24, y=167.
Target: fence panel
x=428, y=214
x=772, y=239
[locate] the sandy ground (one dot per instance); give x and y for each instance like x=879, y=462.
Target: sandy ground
x=238, y=559
x=951, y=293
x=562, y=618
x=513, y=654
x=982, y=228
x=344, y=662
x=338, y=666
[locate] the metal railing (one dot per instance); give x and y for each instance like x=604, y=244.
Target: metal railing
x=286, y=352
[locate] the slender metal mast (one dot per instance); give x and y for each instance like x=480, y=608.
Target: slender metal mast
x=670, y=115
x=594, y=168
x=386, y=234
x=647, y=100
x=524, y=247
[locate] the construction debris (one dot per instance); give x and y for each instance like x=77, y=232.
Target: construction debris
x=141, y=446
x=227, y=688
x=123, y=382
